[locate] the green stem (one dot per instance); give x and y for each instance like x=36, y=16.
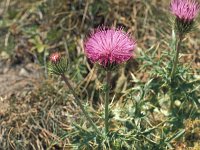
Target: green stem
x=176, y=56
x=171, y=107
x=107, y=97
x=79, y=103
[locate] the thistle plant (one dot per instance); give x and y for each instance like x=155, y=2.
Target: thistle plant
x=185, y=12
x=109, y=47
x=58, y=66
x=151, y=103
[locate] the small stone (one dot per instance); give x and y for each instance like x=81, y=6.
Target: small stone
x=5, y=70
x=23, y=72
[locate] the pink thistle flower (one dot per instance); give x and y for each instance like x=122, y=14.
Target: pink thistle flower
x=109, y=46
x=55, y=57
x=185, y=10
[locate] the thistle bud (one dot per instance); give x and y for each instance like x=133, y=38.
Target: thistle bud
x=57, y=65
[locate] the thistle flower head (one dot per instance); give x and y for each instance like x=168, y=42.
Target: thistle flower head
x=55, y=57
x=185, y=10
x=57, y=64
x=109, y=46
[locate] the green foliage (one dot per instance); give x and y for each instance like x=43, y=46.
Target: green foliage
x=37, y=44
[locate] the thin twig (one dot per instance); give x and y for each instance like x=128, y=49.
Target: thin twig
x=84, y=15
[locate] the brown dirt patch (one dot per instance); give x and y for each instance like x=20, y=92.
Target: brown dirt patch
x=17, y=81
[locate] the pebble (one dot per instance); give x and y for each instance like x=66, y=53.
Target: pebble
x=5, y=70
x=23, y=72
